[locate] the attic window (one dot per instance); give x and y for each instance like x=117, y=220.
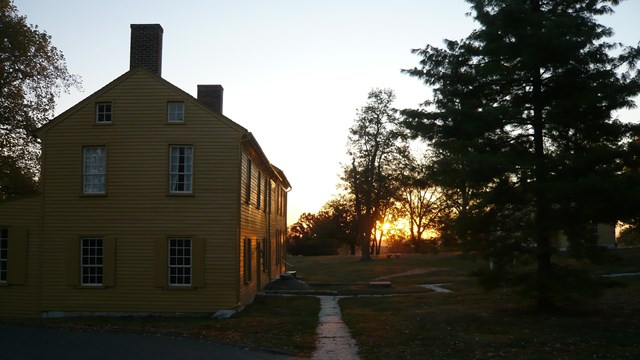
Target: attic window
x=175, y=112
x=103, y=113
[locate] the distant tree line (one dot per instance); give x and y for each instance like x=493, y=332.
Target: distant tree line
x=325, y=232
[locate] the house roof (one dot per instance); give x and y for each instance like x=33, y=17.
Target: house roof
x=246, y=136
x=251, y=141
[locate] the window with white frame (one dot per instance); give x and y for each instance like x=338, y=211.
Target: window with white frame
x=91, y=261
x=180, y=262
x=175, y=111
x=94, y=166
x=103, y=113
x=4, y=239
x=180, y=168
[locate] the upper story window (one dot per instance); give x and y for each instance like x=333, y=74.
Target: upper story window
x=259, y=192
x=175, y=112
x=181, y=168
x=94, y=166
x=103, y=113
x=248, y=182
x=267, y=195
x=91, y=261
x=180, y=262
x=278, y=190
x=4, y=239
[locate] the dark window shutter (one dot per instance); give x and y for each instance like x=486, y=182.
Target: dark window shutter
x=17, y=251
x=161, y=263
x=73, y=262
x=109, y=261
x=198, y=257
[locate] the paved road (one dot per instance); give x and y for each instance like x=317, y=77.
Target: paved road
x=31, y=342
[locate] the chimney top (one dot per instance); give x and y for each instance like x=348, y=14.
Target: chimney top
x=146, y=47
x=211, y=95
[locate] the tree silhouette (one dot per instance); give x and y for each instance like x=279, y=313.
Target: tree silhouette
x=33, y=72
x=376, y=143
x=522, y=114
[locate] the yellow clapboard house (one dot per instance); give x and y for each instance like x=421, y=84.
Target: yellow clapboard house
x=151, y=201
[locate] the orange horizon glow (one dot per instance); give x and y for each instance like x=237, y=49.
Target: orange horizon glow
x=400, y=228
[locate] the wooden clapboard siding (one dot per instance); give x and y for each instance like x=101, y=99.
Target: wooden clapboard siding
x=138, y=208
x=250, y=219
x=19, y=297
x=258, y=224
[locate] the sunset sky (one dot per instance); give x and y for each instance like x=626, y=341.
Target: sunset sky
x=294, y=71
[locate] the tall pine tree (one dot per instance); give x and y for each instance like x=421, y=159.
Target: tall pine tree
x=522, y=113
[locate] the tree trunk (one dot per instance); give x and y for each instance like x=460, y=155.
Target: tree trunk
x=464, y=208
x=365, y=237
x=543, y=243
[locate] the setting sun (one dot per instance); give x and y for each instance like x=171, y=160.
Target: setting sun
x=399, y=228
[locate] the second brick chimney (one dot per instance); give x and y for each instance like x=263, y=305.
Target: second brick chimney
x=146, y=47
x=211, y=95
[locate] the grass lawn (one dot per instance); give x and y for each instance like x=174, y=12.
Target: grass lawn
x=471, y=324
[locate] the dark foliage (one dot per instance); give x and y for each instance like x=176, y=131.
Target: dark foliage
x=33, y=72
x=524, y=134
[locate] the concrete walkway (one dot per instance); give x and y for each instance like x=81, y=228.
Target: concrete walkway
x=334, y=340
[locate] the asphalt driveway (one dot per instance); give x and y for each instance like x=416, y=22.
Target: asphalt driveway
x=31, y=342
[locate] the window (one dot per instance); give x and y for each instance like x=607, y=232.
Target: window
x=267, y=192
x=94, y=169
x=180, y=262
x=279, y=247
x=175, y=111
x=248, y=182
x=247, y=261
x=282, y=197
x=266, y=254
x=103, y=113
x=180, y=168
x=259, y=192
x=4, y=239
x=91, y=261
x=281, y=200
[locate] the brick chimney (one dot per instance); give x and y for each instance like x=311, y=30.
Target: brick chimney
x=211, y=95
x=146, y=47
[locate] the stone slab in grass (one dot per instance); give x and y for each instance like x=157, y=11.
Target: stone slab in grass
x=380, y=284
